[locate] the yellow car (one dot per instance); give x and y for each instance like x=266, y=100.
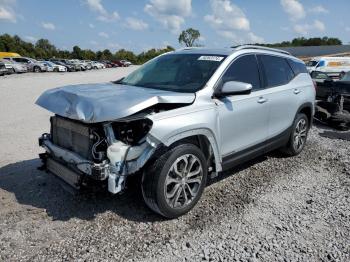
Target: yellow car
x=8, y=54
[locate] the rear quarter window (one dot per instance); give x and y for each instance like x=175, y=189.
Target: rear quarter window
x=297, y=66
x=276, y=70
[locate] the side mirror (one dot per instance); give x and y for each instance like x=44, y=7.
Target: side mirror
x=234, y=88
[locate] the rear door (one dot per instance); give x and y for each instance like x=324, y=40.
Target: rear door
x=283, y=93
x=243, y=119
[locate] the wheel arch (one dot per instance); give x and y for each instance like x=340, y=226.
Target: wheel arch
x=204, y=139
x=307, y=109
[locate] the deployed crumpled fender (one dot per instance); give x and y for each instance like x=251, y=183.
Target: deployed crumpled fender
x=93, y=103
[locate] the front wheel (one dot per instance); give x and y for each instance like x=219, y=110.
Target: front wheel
x=37, y=69
x=174, y=183
x=297, y=139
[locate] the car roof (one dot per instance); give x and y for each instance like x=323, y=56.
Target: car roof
x=200, y=50
x=229, y=51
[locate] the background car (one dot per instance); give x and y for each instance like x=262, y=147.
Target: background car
x=32, y=64
x=3, y=69
x=97, y=65
x=108, y=64
x=117, y=63
x=52, y=67
x=79, y=64
x=14, y=67
x=126, y=62
x=87, y=64
x=70, y=67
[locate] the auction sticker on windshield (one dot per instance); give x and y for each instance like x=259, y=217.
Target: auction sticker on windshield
x=211, y=58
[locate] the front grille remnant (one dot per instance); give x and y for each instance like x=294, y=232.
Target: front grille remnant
x=64, y=173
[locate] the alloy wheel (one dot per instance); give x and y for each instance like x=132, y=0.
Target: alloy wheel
x=300, y=134
x=183, y=181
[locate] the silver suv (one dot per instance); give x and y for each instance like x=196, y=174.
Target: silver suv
x=32, y=64
x=178, y=120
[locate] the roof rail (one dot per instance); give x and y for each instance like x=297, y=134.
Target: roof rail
x=241, y=47
x=188, y=48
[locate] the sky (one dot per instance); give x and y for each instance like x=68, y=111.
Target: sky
x=139, y=25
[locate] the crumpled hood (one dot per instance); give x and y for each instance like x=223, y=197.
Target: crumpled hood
x=92, y=103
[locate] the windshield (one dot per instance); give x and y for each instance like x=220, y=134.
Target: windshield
x=311, y=63
x=175, y=72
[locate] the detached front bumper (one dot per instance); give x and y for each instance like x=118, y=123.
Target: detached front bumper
x=73, y=169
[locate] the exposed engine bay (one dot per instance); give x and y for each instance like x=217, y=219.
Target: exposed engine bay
x=100, y=151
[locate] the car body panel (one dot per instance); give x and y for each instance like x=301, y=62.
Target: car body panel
x=92, y=103
x=238, y=112
x=285, y=100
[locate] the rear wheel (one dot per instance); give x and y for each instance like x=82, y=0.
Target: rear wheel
x=297, y=139
x=36, y=69
x=174, y=183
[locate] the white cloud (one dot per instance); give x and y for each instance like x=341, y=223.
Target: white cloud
x=319, y=9
x=318, y=25
x=294, y=9
x=109, y=17
x=171, y=14
x=91, y=25
x=6, y=11
x=96, y=6
x=31, y=38
x=227, y=15
x=135, y=24
x=103, y=34
x=230, y=22
x=48, y=26
x=305, y=29
x=92, y=42
x=347, y=29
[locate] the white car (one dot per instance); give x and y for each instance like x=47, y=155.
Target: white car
x=52, y=67
x=126, y=62
x=97, y=65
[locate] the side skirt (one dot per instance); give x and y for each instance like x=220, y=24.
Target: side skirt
x=250, y=153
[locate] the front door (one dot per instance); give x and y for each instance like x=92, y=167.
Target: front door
x=243, y=119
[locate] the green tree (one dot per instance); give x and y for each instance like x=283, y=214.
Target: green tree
x=77, y=53
x=123, y=54
x=302, y=41
x=45, y=49
x=189, y=37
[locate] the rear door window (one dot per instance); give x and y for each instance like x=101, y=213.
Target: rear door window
x=244, y=69
x=276, y=70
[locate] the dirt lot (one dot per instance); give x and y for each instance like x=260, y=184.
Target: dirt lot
x=271, y=209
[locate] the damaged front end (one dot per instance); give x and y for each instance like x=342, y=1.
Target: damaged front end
x=79, y=152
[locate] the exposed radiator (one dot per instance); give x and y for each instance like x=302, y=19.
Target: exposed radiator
x=72, y=135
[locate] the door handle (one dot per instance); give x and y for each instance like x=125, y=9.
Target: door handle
x=296, y=91
x=262, y=100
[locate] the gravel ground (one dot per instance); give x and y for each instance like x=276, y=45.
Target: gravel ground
x=271, y=209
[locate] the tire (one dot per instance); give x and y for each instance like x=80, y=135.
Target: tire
x=36, y=69
x=299, y=133
x=168, y=193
